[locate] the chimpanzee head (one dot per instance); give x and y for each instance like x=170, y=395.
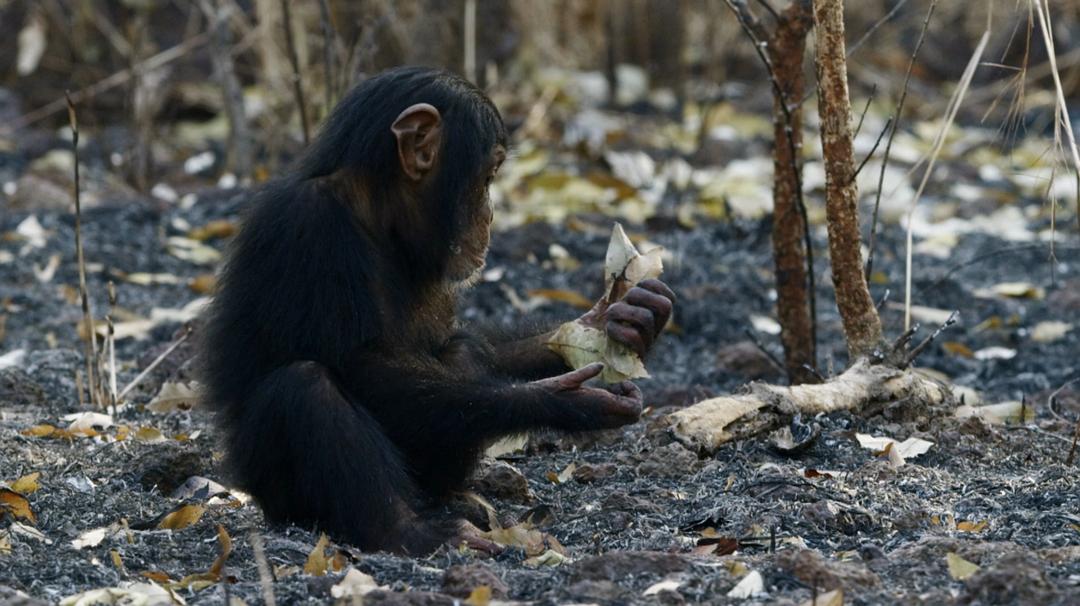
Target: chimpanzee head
x=417, y=149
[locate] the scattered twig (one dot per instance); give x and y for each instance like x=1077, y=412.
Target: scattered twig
x=873, y=28
x=111, y=346
x=873, y=149
x=266, y=578
x=163, y=58
x=892, y=134
x=994, y=253
x=294, y=61
x=1072, y=450
x=918, y=349
x=768, y=354
x=884, y=299
x=88, y=319
x=1051, y=400
x=865, y=110
x=158, y=360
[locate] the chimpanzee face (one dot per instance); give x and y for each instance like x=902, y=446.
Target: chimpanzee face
x=469, y=253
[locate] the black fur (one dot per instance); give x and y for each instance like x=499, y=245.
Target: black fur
x=347, y=397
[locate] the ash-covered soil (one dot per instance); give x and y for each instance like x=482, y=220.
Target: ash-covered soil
x=639, y=508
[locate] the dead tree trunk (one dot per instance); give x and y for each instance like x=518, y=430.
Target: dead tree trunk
x=862, y=326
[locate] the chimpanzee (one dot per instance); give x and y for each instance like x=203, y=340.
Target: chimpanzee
x=348, y=396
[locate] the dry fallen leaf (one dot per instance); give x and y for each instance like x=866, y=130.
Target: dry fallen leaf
x=832, y=598
x=27, y=484
x=16, y=505
x=181, y=517
x=225, y=542
x=584, y=340
x=354, y=585
x=751, y=585
x=142, y=594
x=959, y=568
x=317, y=562
x=908, y=449
x=480, y=596
x=174, y=396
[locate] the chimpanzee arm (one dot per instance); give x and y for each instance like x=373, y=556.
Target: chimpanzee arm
x=528, y=358
x=441, y=422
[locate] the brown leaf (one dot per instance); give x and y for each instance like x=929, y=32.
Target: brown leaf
x=225, y=541
x=181, y=517
x=220, y=228
x=16, y=505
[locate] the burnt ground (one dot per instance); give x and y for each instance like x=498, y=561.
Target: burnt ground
x=1001, y=497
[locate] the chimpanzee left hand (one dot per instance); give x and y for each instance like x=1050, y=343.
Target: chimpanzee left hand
x=639, y=318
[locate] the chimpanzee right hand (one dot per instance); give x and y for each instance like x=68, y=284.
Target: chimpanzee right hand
x=618, y=405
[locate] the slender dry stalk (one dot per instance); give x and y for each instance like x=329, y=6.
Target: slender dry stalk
x=266, y=578
x=470, y=40
x=871, y=245
x=329, y=48
x=939, y=143
x=111, y=346
x=158, y=360
x=1043, y=12
x=294, y=61
x=88, y=319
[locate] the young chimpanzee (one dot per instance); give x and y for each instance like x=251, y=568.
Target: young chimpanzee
x=347, y=395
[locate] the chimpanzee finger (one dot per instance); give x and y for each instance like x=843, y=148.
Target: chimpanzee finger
x=659, y=305
x=640, y=318
x=628, y=336
x=626, y=390
x=659, y=288
x=574, y=378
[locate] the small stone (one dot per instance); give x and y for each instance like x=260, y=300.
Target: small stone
x=619, y=565
x=502, y=480
x=811, y=568
x=461, y=580
x=588, y=473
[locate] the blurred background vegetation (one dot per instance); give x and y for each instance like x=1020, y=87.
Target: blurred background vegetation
x=157, y=82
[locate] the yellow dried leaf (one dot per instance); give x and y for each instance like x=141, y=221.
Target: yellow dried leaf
x=27, y=484
x=959, y=568
x=203, y=284
x=182, y=517
x=16, y=505
x=969, y=526
x=220, y=228
x=149, y=435
x=117, y=561
x=42, y=430
x=480, y=596
x=957, y=349
x=225, y=542
x=317, y=563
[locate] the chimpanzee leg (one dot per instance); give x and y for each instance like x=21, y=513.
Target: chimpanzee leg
x=309, y=455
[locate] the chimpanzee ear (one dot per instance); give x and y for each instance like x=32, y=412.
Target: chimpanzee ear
x=419, y=136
